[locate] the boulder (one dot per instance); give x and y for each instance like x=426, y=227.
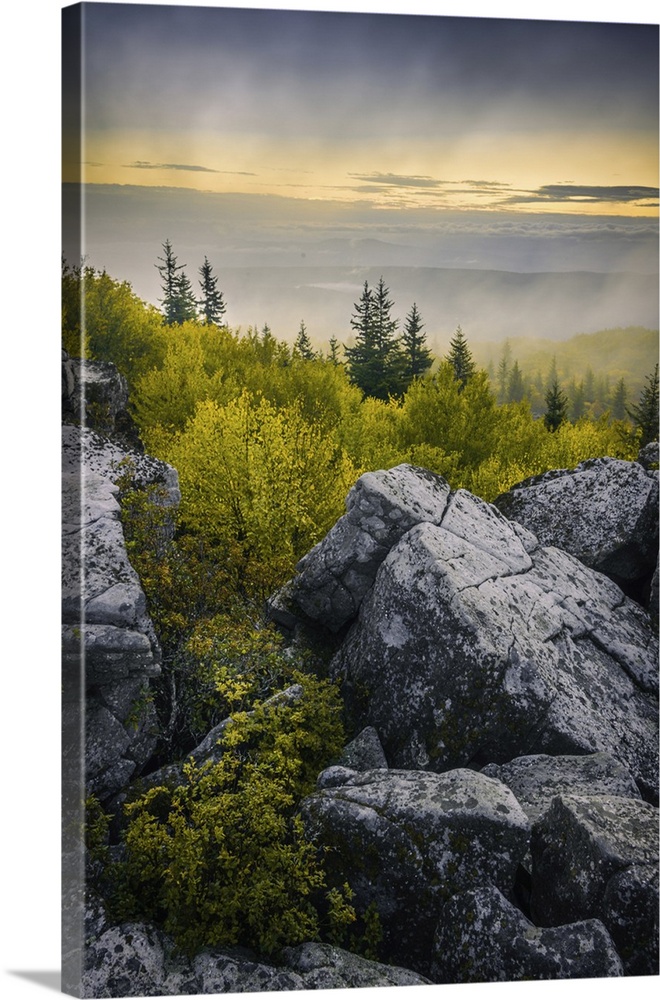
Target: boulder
x=596, y=857
x=405, y=841
x=476, y=645
x=365, y=752
x=333, y=578
x=136, y=960
x=483, y=938
x=536, y=780
x=604, y=512
x=649, y=455
x=325, y=967
x=95, y=394
x=109, y=646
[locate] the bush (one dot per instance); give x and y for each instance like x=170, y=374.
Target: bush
x=223, y=859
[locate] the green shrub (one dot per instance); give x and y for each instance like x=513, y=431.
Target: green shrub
x=223, y=859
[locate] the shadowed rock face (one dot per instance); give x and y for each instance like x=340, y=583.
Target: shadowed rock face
x=604, y=512
x=476, y=644
x=406, y=840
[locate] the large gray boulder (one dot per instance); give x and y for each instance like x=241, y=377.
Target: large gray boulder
x=475, y=644
x=110, y=650
x=597, y=857
x=95, y=394
x=137, y=960
x=604, y=512
x=406, y=841
x=483, y=938
x=333, y=578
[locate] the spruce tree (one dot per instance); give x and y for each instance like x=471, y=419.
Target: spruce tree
x=460, y=358
x=556, y=406
x=503, y=372
x=417, y=356
x=374, y=361
x=515, y=391
x=178, y=300
x=333, y=354
x=618, y=409
x=645, y=414
x=303, y=345
x=211, y=304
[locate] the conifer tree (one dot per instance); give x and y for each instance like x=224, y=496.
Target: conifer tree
x=503, y=372
x=417, y=356
x=211, y=304
x=515, y=390
x=303, y=345
x=460, y=358
x=577, y=400
x=333, y=354
x=645, y=414
x=556, y=406
x=178, y=300
x=374, y=361
x=619, y=397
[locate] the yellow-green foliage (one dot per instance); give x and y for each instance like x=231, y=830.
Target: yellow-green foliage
x=267, y=480
x=222, y=859
x=105, y=320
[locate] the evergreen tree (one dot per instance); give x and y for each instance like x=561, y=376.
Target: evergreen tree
x=303, y=345
x=619, y=396
x=460, y=358
x=556, y=406
x=515, y=391
x=577, y=400
x=178, y=300
x=418, y=358
x=503, y=372
x=645, y=414
x=374, y=361
x=333, y=354
x=211, y=304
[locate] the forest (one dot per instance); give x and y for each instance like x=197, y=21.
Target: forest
x=267, y=437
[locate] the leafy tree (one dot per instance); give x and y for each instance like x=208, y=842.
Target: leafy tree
x=417, y=356
x=374, y=361
x=460, y=358
x=303, y=345
x=645, y=414
x=556, y=404
x=178, y=300
x=212, y=303
x=515, y=390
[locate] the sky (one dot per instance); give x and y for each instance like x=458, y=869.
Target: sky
x=387, y=111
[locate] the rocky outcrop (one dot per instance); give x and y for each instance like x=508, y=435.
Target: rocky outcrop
x=604, y=512
x=483, y=938
x=110, y=650
x=95, y=394
x=405, y=841
x=138, y=960
x=596, y=856
x=477, y=645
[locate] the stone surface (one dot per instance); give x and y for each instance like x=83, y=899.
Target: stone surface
x=109, y=648
x=483, y=938
x=537, y=779
x=95, y=394
x=649, y=455
x=365, y=752
x=405, y=841
x=136, y=960
x=597, y=857
x=476, y=646
x=604, y=512
x=333, y=578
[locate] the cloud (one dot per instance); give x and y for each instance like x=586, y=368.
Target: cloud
x=586, y=194
x=147, y=165
x=398, y=180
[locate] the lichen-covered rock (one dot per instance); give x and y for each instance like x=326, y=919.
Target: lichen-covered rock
x=333, y=578
x=137, y=960
x=649, y=455
x=482, y=938
x=109, y=646
x=95, y=394
x=597, y=857
x=477, y=645
x=405, y=841
x=536, y=780
x=325, y=967
x=365, y=752
x=604, y=512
